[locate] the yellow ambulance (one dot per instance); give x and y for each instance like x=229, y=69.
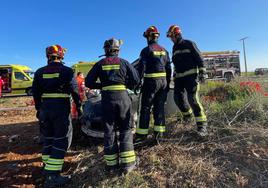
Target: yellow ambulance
x=17, y=79
x=83, y=67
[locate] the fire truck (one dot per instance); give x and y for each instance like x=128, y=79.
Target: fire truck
x=223, y=65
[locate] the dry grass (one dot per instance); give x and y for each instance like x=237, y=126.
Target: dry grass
x=229, y=157
x=235, y=154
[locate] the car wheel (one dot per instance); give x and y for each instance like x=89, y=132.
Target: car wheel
x=228, y=76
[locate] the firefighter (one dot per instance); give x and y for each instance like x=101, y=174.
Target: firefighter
x=115, y=75
x=189, y=68
x=1, y=86
x=154, y=66
x=52, y=87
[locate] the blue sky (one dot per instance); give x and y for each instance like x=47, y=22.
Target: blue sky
x=29, y=26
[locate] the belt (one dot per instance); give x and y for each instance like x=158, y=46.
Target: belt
x=114, y=88
x=155, y=75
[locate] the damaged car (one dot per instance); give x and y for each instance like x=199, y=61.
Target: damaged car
x=92, y=116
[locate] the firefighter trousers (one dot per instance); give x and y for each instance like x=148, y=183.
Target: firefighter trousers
x=116, y=109
x=56, y=128
x=153, y=94
x=186, y=97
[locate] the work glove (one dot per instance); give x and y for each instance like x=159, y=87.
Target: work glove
x=37, y=114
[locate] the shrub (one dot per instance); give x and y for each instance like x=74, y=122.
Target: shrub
x=229, y=103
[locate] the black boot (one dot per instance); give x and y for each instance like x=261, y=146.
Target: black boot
x=111, y=169
x=202, y=131
x=187, y=120
x=127, y=169
x=56, y=180
x=140, y=139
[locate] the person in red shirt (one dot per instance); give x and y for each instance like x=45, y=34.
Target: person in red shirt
x=80, y=78
x=1, y=85
x=5, y=78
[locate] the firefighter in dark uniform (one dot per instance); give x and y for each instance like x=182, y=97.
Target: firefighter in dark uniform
x=52, y=87
x=154, y=66
x=116, y=75
x=189, y=69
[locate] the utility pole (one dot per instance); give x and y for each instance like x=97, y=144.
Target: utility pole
x=244, y=50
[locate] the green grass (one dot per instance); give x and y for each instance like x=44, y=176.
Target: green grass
x=249, y=74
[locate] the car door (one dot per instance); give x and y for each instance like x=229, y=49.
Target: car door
x=19, y=79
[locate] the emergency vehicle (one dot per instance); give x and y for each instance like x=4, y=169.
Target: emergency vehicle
x=83, y=67
x=222, y=65
x=17, y=79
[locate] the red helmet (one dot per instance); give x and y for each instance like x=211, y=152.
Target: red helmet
x=173, y=31
x=152, y=30
x=55, y=50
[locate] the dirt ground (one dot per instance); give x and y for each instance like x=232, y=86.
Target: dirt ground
x=20, y=158
x=230, y=157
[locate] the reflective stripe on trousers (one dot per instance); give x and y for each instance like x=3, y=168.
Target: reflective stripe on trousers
x=188, y=113
x=53, y=164
x=127, y=156
x=160, y=128
x=111, y=160
x=142, y=131
x=203, y=117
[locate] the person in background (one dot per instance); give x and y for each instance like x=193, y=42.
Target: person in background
x=82, y=93
x=80, y=78
x=1, y=85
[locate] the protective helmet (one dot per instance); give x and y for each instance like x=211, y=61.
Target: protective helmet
x=55, y=50
x=173, y=31
x=152, y=30
x=112, y=44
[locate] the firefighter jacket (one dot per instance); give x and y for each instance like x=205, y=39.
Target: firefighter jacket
x=186, y=58
x=55, y=81
x=114, y=74
x=154, y=62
